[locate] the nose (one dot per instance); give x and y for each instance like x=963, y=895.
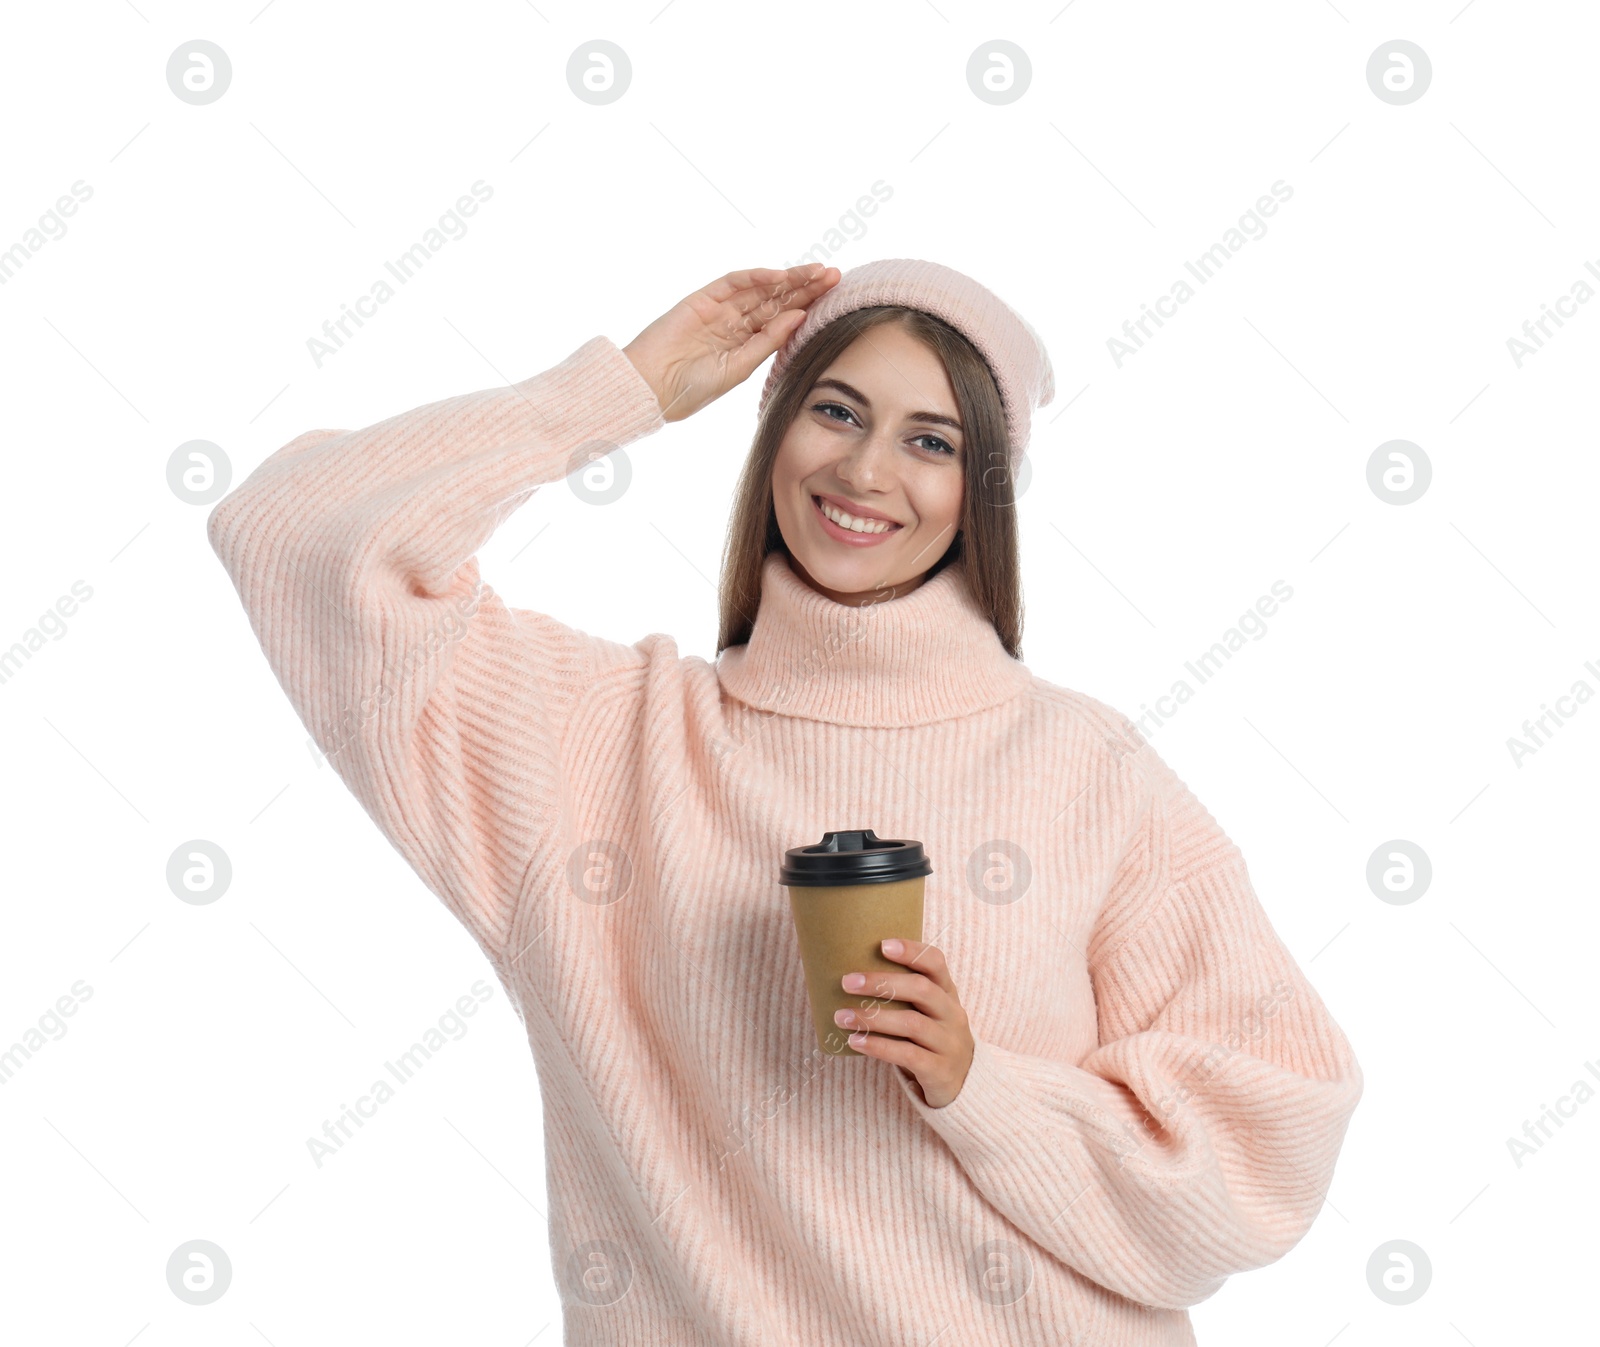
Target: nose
x=867, y=466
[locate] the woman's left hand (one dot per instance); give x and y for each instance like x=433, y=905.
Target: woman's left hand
x=932, y=1042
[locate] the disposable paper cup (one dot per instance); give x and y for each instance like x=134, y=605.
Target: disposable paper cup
x=847, y=894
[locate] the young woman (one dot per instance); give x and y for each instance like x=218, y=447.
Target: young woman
x=1110, y=1087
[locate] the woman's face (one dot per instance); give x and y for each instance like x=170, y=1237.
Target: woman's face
x=878, y=438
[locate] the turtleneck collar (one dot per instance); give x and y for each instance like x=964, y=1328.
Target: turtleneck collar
x=928, y=655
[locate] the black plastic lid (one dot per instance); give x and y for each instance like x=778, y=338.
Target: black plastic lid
x=853, y=856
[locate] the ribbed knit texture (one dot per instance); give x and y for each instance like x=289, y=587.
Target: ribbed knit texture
x=1158, y=1095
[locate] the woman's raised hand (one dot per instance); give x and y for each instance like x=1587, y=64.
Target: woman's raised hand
x=712, y=340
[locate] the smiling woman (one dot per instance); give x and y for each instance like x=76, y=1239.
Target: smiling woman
x=1036, y=1110
x=863, y=470
x=890, y=415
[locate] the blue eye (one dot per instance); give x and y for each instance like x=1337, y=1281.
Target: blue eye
x=825, y=407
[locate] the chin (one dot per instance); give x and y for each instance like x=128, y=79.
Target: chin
x=870, y=570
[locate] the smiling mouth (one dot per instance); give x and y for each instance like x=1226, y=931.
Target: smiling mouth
x=858, y=527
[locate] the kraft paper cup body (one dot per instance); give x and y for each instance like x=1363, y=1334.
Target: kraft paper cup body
x=839, y=929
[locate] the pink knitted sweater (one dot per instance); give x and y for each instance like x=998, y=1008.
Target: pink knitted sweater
x=1158, y=1095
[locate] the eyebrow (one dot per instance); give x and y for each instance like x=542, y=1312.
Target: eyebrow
x=862, y=398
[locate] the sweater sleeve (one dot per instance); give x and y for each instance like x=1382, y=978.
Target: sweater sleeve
x=1198, y=1139
x=353, y=553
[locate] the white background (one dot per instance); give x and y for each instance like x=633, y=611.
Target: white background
x=1167, y=495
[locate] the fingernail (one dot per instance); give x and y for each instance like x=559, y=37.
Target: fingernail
x=892, y=948
x=854, y=982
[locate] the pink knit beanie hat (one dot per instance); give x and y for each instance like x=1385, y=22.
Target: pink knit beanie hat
x=1016, y=356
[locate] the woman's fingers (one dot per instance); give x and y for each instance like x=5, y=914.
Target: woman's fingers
x=768, y=280
x=763, y=341
x=755, y=319
x=729, y=312
x=726, y=287
x=715, y=337
x=762, y=317
x=925, y=958
x=774, y=292
x=892, y=1022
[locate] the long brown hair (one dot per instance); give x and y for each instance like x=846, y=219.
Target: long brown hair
x=987, y=537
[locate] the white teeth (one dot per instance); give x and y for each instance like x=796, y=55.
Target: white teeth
x=850, y=522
